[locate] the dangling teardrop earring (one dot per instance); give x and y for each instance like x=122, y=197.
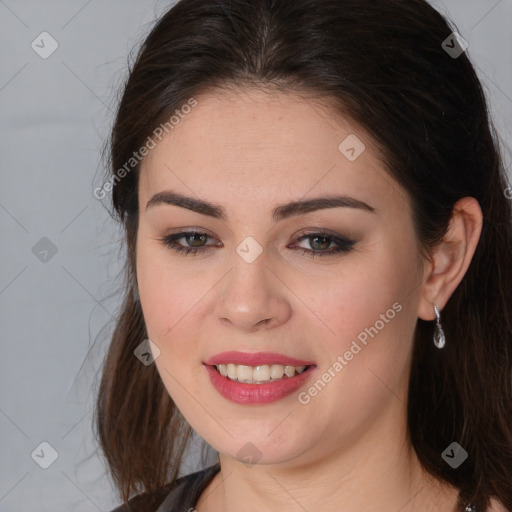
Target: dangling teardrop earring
x=439, y=337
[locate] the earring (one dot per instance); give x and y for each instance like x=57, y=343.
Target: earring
x=439, y=337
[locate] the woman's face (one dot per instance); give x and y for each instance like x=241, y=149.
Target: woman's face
x=349, y=316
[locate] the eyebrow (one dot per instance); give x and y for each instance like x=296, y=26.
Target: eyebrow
x=279, y=213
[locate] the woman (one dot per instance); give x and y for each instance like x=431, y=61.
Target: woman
x=317, y=279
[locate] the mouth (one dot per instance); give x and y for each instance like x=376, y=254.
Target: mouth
x=257, y=377
x=258, y=385
x=261, y=374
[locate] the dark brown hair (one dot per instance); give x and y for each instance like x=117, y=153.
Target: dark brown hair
x=381, y=64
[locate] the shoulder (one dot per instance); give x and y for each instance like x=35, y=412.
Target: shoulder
x=173, y=494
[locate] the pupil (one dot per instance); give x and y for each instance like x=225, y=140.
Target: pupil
x=323, y=245
x=193, y=237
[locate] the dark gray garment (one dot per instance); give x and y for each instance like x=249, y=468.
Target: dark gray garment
x=180, y=496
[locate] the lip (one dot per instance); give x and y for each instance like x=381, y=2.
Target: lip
x=255, y=359
x=253, y=394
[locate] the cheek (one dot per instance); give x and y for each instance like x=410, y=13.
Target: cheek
x=175, y=297
x=340, y=304
x=365, y=362
x=167, y=286
x=169, y=305
x=352, y=296
x=164, y=295
x=367, y=315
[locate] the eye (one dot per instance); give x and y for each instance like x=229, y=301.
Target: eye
x=195, y=239
x=320, y=243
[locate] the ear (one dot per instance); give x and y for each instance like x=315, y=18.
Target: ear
x=450, y=258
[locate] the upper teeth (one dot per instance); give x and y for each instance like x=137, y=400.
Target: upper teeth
x=257, y=374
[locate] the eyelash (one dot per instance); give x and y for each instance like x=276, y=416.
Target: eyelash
x=344, y=244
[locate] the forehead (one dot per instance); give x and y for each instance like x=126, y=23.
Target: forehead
x=254, y=143
x=259, y=121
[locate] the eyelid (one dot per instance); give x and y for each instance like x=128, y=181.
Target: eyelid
x=322, y=232
x=188, y=232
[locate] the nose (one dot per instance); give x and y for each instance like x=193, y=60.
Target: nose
x=252, y=297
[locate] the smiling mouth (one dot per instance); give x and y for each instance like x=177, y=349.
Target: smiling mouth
x=263, y=374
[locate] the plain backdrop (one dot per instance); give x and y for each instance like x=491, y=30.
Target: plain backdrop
x=60, y=250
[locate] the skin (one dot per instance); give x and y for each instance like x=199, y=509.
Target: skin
x=347, y=449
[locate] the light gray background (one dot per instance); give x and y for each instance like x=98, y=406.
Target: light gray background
x=55, y=115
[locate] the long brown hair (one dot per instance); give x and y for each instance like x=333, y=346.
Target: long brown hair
x=382, y=64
